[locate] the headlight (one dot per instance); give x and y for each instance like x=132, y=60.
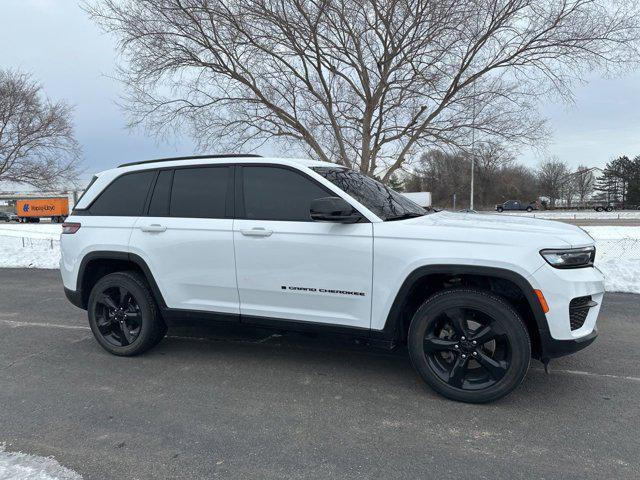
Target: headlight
x=569, y=258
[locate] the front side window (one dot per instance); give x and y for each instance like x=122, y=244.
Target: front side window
x=272, y=193
x=125, y=196
x=380, y=199
x=199, y=192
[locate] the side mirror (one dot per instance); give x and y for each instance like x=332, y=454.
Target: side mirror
x=333, y=209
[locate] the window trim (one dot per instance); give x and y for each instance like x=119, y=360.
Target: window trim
x=240, y=212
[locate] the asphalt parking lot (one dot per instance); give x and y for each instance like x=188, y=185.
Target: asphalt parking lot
x=220, y=403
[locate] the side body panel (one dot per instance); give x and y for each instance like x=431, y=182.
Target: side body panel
x=96, y=234
x=192, y=261
x=305, y=271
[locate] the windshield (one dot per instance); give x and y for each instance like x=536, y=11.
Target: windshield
x=380, y=199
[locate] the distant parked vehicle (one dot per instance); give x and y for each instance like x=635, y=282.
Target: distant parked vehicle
x=8, y=217
x=515, y=205
x=33, y=209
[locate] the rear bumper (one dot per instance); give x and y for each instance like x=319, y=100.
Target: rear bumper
x=74, y=297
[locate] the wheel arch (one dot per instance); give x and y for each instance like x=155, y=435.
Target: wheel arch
x=426, y=280
x=97, y=264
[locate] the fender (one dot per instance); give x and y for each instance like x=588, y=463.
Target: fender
x=124, y=256
x=394, y=317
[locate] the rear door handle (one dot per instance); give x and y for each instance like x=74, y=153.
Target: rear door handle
x=153, y=228
x=257, y=232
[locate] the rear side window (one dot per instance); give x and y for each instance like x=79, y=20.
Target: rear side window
x=272, y=193
x=159, y=206
x=200, y=192
x=125, y=196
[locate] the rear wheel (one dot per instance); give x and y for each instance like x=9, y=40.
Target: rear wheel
x=469, y=345
x=609, y=209
x=500, y=209
x=123, y=315
x=529, y=209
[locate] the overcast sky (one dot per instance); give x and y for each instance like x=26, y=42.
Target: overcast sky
x=65, y=51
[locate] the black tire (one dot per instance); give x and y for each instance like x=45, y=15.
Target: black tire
x=54, y=219
x=498, y=365
x=599, y=209
x=609, y=209
x=136, y=325
x=500, y=209
x=529, y=209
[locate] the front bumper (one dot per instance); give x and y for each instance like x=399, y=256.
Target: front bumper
x=559, y=287
x=552, y=348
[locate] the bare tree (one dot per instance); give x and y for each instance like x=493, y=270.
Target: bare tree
x=364, y=83
x=37, y=145
x=584, y=181
x=498, y=177
x=552, y=178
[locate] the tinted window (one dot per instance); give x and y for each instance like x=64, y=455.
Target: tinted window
x=278, y=194
x=199, y=192
x=159, y=206
x=380, y=199
x=125, y=196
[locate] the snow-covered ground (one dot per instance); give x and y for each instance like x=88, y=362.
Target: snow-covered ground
x=29, y=246
x=618, y=251
x=576, y=214
x=19, y=466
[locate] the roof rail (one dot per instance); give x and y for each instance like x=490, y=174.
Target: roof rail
x=195, y=157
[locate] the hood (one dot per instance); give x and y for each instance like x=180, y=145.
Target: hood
x=477, y=226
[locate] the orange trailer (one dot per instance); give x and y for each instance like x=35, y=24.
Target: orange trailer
x=33, y=209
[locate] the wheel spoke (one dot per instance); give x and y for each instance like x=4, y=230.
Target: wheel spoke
x=123, y=295
x=458, y=372
x=496, y=369
x=125, y=334
x=106, y=300
x=483, y=335
x=434, y=344
x=104, y=326
x=457, y=320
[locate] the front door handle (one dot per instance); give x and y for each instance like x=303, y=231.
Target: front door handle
x=256, y=232
x=153, y=228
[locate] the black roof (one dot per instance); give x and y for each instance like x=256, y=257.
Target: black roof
x=196, y=157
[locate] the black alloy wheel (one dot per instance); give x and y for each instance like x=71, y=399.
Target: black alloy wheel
x=118, y=316
x=469, y=345
x=123, y=314
x=467, y=349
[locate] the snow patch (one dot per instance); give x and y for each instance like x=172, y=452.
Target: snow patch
x=20, y=466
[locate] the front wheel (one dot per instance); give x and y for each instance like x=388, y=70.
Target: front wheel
x=500, y=209
x=469, y=345
x=123, y=315
x=529, y=209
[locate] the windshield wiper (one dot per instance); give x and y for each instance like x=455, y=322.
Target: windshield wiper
x=404, y=216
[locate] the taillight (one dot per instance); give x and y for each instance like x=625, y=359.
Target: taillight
x=70, y=227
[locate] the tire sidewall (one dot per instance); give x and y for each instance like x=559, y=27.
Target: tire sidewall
x=489, y=304
x=146, y=311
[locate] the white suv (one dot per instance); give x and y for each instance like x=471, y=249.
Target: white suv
x=297, y=244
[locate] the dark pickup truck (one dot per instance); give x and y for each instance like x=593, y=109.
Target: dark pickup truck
x=516, y=205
